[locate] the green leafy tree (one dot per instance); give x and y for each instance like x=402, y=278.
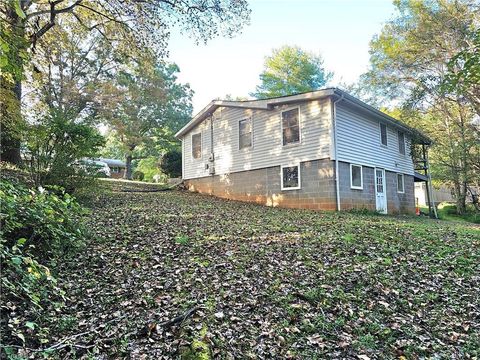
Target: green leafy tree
x=141, y=23
x=290, y=70
x=172, y=163
x=54, y=147
x=409, y=62
x=69, y=67
x=143, y=106
x=463, y=76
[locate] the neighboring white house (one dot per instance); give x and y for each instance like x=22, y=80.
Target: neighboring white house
x=287, y=151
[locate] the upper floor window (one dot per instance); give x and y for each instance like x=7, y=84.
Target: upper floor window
x=245, y=133
x=291, y=126
x=383, y=134
x=197, y=146
x=401, y=143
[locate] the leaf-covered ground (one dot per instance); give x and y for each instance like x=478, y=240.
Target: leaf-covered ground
x=267, y=283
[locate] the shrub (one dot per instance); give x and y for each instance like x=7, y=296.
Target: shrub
x=138, y=175
x=172, y=163
x=55, y=145
x=37, y=228
x=47, y=219
x=150, y=166
x=28, y=288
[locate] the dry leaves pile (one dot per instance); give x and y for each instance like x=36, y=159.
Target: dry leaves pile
x=244, y=281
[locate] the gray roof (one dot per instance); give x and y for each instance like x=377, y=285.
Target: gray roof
x=113, y=162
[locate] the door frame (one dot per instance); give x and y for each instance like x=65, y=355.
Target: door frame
x=384, y=174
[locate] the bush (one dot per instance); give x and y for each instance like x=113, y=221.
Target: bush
x=37, y=228
x=54, y=147
x=138, y=175
x=150, y=166
x=47, y=219
x=172, y=163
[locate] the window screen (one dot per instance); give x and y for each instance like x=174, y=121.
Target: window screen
x=291, y=126
x=401, y=142
x=245, y=133
x=291, y=177
x=400, y=183
x=356, y=176
x=197, y=146
x=383, y=134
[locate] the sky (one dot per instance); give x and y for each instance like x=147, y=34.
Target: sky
x=339, y=30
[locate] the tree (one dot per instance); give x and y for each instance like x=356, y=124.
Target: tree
x=54, y=147
x=69, y=67
x=409, y=61
x=147, y=23
x=171, y=163
x=290, y=70
x=463, y=76
x=143, y=105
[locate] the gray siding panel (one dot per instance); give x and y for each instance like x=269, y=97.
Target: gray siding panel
x=358, y=137
x=267, y=150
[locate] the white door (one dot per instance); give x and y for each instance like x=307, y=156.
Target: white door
x=380, y=191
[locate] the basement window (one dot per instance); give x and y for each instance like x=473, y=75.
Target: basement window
x=383, y=134
x=291, y=126
x=245, y=133
x=401, y=143
x=356, y=177
x=400, y=183
x=290, y=176
x=197, y=146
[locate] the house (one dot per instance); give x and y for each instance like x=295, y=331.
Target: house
x=323, y=149
x=117, y=167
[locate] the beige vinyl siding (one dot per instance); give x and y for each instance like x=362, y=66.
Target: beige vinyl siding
x=358, y=135
x=196, y=167
x=267, y=149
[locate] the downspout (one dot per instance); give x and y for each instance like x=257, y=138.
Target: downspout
x=212, y=153
x=337, y=180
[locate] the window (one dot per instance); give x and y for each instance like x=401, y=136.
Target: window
x=356, y=177
x=383, y=134
x=400, y=183
x=401, y=143
x=197, y=146
x=290, y=177
x=291, y=126
x=245, y=133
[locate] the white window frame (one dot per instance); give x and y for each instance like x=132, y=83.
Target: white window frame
x=404, y=143
x=299, y=177
x=299, y=127
x=201, y=146
x=251, y=133
x=403, y=183
x=386, y=134
x=361, y=177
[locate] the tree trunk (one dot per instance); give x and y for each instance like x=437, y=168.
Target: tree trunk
x=10, y=150
x=11, y=115
x=462, y=199
x=128, y=168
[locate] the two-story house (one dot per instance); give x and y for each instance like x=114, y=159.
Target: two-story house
x=318, y=150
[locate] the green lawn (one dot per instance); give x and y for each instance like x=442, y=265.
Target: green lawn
x=268, y=283
x=447, y=211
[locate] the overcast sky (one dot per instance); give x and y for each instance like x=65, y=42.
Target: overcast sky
x=339, y=30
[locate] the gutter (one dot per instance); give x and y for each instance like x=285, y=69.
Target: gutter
x=334, y=121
